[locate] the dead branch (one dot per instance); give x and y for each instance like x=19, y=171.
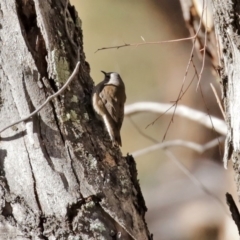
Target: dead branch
x=145, y=43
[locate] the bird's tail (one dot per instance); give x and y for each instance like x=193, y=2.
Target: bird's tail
x=113, y=131
x=117, y=139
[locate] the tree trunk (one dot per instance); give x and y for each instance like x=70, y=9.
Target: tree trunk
x=226, y=21
x=60, y=177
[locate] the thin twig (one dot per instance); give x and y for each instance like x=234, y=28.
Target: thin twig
x=48, y=99
x=210, y=117
x=205, y=104
x=181, y=94
x=179, y=143
x=146, y=43
x=218, y=101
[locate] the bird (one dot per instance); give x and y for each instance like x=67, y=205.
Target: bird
x=108, y=100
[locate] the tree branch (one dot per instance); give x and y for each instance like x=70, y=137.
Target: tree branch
x=179, y=143
x=145, y=43
x=183, y=111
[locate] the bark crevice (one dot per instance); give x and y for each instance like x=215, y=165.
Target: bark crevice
x=33, y=179
x=32, y=34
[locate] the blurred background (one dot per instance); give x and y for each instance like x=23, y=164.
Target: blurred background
x=177, y=208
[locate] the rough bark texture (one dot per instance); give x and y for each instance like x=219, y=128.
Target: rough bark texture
x=226, y=21
x=60, y=178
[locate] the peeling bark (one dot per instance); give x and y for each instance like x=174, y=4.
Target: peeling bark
x=60, y=177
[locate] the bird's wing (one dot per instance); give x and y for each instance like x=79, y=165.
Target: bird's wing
x=109, y=99
x=120, y=111
x=120, y=115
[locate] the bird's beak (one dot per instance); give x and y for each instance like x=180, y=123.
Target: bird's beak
x=104, y=73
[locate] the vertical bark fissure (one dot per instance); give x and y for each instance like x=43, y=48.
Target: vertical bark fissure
x=48, y=157
x=32, y=34
x=73, y=168
x=73, y=44
x=45, y=151
x=57, y=122
x=33, y=178
x=40, y=216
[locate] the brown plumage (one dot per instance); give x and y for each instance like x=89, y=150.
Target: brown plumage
x=108, y=102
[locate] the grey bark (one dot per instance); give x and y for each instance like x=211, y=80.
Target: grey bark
x=226, y=20
x=60, y=178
